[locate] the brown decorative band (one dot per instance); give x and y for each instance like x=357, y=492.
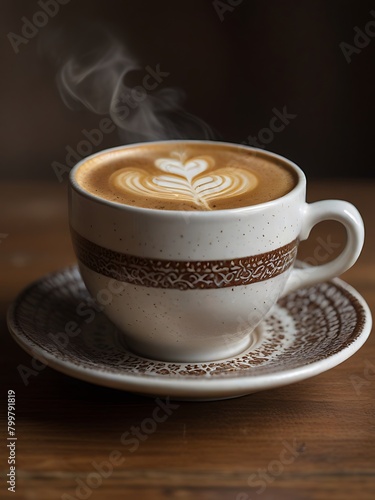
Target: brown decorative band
x=183, y=275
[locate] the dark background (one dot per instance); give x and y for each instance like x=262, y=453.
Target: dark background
x=235, y=71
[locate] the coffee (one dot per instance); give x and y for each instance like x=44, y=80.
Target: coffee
x=193, y=289
x=186, y=176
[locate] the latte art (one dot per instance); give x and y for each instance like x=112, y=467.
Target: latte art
x=185, y=180
x=185, y=175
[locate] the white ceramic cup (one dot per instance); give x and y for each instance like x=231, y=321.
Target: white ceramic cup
x=191, y=286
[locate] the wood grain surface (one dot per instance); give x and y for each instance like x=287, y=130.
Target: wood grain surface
x=311, y=440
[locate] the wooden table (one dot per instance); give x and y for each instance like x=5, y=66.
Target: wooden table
x=235, y=449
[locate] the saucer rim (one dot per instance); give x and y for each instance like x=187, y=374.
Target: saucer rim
x=190, y=387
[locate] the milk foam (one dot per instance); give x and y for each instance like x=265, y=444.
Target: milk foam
x=185, y=179
x=186, y=175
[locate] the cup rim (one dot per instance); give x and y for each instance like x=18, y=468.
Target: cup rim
x=301, y=182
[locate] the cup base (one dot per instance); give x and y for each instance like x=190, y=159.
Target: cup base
x=191, y=354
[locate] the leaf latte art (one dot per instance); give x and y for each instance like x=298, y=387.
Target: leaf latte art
x=193, y=180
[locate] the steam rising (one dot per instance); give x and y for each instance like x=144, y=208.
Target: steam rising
x=98, y=77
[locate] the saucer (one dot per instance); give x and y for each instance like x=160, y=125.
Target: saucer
x=306, y=333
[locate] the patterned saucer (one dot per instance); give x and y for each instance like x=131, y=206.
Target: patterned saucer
x=306, y=333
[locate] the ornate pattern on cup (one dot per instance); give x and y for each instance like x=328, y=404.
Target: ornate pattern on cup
x=184, y=275
x=298, y=333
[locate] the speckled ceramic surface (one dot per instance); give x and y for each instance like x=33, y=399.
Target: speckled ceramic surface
x=306, y=333
x=188, y=285
x=183, y=275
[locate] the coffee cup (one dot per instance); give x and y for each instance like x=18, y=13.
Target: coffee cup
x=187, y=245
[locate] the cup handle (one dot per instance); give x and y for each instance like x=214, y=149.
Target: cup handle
x=313, y=213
